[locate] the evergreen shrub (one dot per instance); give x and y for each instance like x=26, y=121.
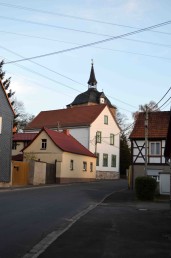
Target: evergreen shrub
x=145, y=188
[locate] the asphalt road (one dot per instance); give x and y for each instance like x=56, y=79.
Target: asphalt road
x=119, y=227
x=28, y=215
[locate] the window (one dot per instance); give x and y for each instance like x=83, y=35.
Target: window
x=26, y=143
x=113, y=161
x=97, y=159
x=105, y=160
x=98, y=137
x=102, y=101
x=14, y=145
x=44, y=144
x=91, y=166
x=84, y=166
x=71, y=164
x=155, y=148
x=112, y=139
x=106, y=120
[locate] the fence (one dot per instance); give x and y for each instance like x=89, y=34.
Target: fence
x=33, y=173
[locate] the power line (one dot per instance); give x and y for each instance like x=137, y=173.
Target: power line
x=164, y=103
x=103, y=48
x=43, y=66
x=74, y=43
x=109, y=49
x=93, y=43
x=50, y=25
x=156, y=105
x=46, y=77
x=73, y=17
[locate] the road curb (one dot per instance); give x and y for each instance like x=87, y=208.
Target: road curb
x=50, y=238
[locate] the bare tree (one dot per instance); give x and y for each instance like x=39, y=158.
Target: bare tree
x=23, y=118
x=151, y=106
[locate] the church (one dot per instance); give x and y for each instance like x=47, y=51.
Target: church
x=91, y=120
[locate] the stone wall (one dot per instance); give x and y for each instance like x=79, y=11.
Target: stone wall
x=107, y=175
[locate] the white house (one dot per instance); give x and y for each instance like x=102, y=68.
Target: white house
x=91, y=120
x=93, y=126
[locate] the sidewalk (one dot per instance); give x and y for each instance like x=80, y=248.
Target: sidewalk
x=119, y=227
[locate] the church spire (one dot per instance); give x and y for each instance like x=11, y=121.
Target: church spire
x=92, y=80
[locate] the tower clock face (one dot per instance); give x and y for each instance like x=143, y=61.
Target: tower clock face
x=102, y=100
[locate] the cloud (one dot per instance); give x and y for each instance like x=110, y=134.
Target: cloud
x=131, y=6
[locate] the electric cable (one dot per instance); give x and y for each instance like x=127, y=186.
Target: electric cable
x=74, y=43
x=156, y=105
x=93, y=43
x=45, y=67
x=72, y=16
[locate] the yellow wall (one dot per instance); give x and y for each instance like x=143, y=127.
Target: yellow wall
x=20, y=146
x=77, y=171
x=49, y=155
x=52, y=154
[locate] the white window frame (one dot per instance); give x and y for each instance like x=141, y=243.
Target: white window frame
x=105, y=160
x=105, y=119
x=112, y=139
x=98, y=137
x=44, y=144
x=154, y=151
x=113, y=161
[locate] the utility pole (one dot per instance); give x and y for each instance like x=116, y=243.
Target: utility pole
x=96, y=144
x=146, y=139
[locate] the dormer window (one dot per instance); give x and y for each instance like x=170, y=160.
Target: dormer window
x=102, y=100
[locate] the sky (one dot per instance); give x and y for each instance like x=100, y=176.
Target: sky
x=131, y=71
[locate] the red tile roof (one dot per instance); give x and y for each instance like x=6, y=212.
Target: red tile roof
x=18, y=157
x=66, y=142
x=158, y=123
x=24, y=136
x=70, y=117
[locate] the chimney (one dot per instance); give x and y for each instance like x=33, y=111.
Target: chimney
x=66, y=131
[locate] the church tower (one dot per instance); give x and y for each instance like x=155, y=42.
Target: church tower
x=92, y=96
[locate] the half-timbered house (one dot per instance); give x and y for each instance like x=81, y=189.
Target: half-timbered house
x=148, y=140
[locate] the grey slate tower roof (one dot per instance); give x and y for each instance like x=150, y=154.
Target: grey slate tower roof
x=92, y=80
x=92, y=96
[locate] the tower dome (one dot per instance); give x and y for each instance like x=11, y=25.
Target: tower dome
x=92, y=96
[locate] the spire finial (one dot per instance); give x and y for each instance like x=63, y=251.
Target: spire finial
x=92, y=80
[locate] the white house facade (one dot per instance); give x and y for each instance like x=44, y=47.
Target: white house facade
x=91, y=120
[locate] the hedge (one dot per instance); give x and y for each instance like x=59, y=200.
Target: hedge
x=145, y=187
